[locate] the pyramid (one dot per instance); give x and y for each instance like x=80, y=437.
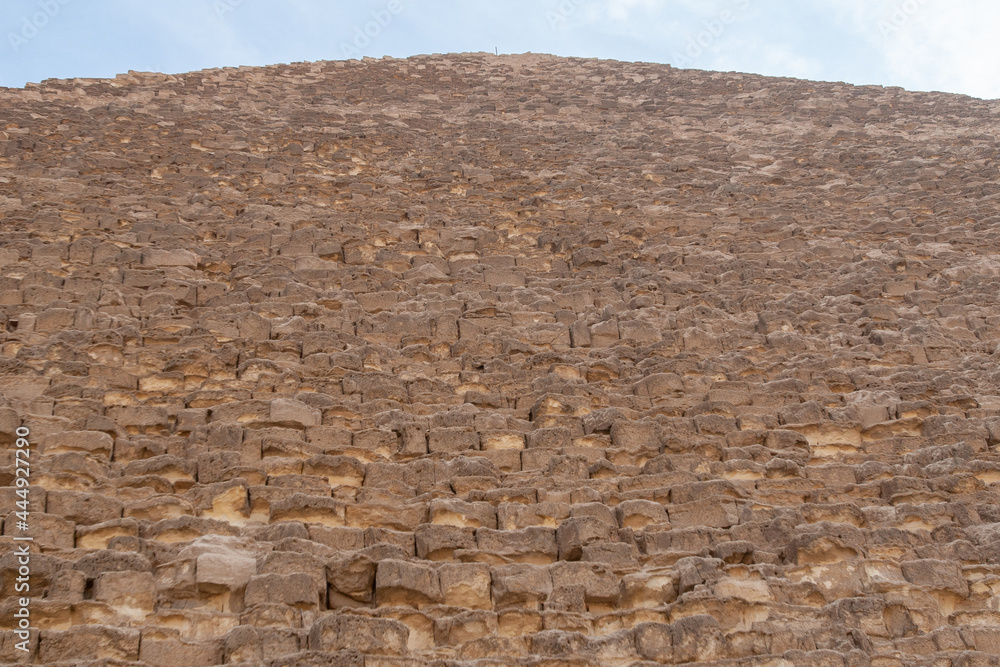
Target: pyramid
x=473, y=361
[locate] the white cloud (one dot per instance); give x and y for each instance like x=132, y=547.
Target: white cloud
x=929, y=44
x=947, y=48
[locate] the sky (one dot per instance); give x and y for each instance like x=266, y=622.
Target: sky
x=926, y=45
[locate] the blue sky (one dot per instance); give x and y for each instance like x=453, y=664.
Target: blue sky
x=944, y=45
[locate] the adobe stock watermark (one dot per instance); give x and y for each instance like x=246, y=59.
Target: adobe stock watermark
x=365, y=34
x=22, y=585
x=558, y=17
x=223, y=7
x=713, y=29
x=34, y=24
x=900, y=16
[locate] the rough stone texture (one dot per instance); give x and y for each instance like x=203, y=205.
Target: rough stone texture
x=477, y=360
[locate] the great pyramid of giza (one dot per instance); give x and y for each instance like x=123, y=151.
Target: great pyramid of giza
x=474, y=361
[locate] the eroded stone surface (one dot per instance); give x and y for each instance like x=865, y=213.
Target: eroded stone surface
x=477, y=360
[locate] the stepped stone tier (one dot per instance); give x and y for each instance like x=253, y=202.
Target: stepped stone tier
x=465, y=360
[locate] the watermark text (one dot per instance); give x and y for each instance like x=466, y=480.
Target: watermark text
x=22, y=583
x=365, y=34
x=32, y=25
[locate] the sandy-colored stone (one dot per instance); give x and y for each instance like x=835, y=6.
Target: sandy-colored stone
x=492, y=360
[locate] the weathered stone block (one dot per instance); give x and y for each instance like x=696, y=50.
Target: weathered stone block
x=228, y=570
x=398, y=582
x=88, y=642
x=535, y=544
x=577, y=532
x=371, y=636
x=296, y=590
x=465, y=585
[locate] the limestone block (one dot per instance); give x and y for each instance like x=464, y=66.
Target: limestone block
x=636, y=332
x=393, y=517
x=337, y=470
x=618, y=554
x=170, y=258
x=550, y=438
x=937, y=575
x=140, y=418
x=351, y=575
x=601, y=586
x=654, y=641
x=283, y=562
x=132, y=594
x=520, y=585
x=718, y=512
x=501, y=440
x=163, y=651
x=516, y=515
x=577, y=532
x=648, y=590
x=604, y=334
x=227, y=570
x=308, y=509
x=295, y=589
x=454, y=512
x=698, y=639
x=94, y=443
x=290, y=412
x=465, y=585
x=631, y=435
x=83, y=508
x=439, y=542
x=451, y=439
x=98, y=535
x=640, y=513
x=739, y=551
x=535, y=544
x=341, y=538
x=67, y=586
x=88, y=642
x=371, y=636
x=379, y=442
x=396, y=540
x=694, y=571
x=398, y=583
x=248, y=644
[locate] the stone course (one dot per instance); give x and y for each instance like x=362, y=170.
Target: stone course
x=465, y=360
